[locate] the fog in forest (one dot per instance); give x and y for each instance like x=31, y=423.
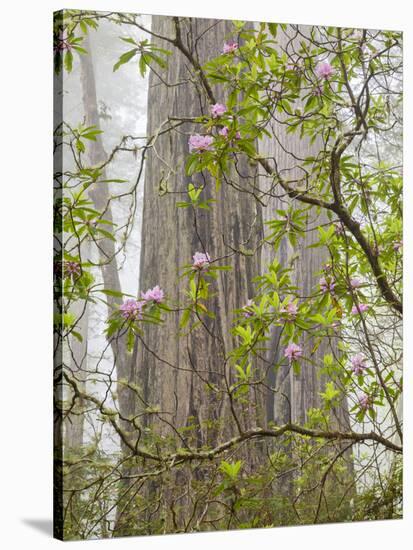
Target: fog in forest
x=229, y=261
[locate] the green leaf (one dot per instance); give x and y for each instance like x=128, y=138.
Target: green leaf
x=330, y=393
x=129, y=40
x=80, y=146
x=114, y=293
x=92, y=134
x=130, y=340
x=192, y=165
x=77, y=335
x=185, y=318
x=143, y=63
x=68, y=61
x=273, y=28
x=106, y=234
x=124, y=58
x=231, y=469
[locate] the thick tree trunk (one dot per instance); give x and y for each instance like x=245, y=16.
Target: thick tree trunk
x=295, y=393
x=286, y=150
x=185, y=377
x=170, y=237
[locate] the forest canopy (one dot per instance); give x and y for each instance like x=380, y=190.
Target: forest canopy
x=227, y=274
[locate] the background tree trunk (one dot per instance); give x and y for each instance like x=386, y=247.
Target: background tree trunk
x=303, y=390
x=107, y=250
x=296, y=393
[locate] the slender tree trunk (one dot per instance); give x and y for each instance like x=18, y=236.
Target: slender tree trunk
x=100, y=195
x=107, y=252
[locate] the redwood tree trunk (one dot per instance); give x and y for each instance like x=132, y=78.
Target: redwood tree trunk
x=175, y=379
x=100, y=195
x=185, y=377
x=287, y=149
x=297, y=393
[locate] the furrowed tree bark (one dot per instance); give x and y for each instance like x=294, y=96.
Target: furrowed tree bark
x=171, y=236
x=180, y=377
x=296, y=393
x=303, y=389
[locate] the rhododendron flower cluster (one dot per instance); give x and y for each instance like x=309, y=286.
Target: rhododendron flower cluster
x=293, y=352
x=291, y=309
x=364, y=402
x=217, y=110
x=200, y=143
x=361, y=308
x=355, y=283
x=132, y=309
x=324, y=70
x=155, y=294
x=225, y=131
x=230, y=46
x=358, y=363
x=327, y=284
x=71, y=269
x=200, y=260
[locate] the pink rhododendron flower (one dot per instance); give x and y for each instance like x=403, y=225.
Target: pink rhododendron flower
x=200, y=143
x=132, y=309
x=293, y=352
x=327, y=284
x=247, y=311
x=364, y=401
x=358, y=363
x=200, y=260
x=361, y=308
x=217, y=110
x=291, y=309
x=225, y=131
x=71, y=269
x=324, y=70
x=155, y=294
x=355, y=283
x=230, y=46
